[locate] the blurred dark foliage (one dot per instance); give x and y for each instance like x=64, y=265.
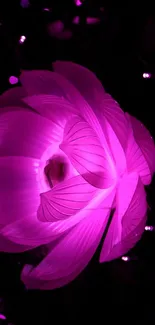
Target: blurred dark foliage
x=118, y=50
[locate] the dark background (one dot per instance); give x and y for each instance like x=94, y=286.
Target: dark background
x=119, y=50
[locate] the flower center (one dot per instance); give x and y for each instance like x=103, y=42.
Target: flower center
x=55, y=170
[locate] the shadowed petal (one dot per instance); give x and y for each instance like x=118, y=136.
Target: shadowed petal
x=27, y=134
x=7, y=109
x=52, y=83
x=65, y=199
x=129, y=218
x=135, y=157
x=144, y=141
x=83, y=79
x=8, y=246
x=72, y=253
x=47, y=82
x=86, y=153
x=13, y=97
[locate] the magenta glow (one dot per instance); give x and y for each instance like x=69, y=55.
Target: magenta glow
x=78, y=3
x=76, y=20
x=13, y=80
x=92, y=20
x=68, y=156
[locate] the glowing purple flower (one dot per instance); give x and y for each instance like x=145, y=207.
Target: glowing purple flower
x=68, y=155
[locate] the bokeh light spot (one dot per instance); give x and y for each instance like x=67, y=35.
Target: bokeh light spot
x=22, y=39
x=2, y=317
x=149, y=228
x=92, y=20
x=13, y=80
x=146, y=75
x=76, y=20
x=125, y=258
x=78, y=3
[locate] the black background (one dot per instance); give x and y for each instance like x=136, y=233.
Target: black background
x=118, y=50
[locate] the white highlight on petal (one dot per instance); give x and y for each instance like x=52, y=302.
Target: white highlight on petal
x=36, y=164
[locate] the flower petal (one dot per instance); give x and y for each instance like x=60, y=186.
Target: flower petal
x=65, y=199
x=72, y=253
x=115, y=129
x=27, y=134
x=129, y=218
x=19, y=188
x=111, y=110
x=30, y=231
x=93, y=92
x=144, y=141
x=7, y=109
x=52, y=107
x=116, y=149
x=83, y=79
x=46, y=82
x=84, y=149
x=135, y=157
x=13, y=97
x=52, y=83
